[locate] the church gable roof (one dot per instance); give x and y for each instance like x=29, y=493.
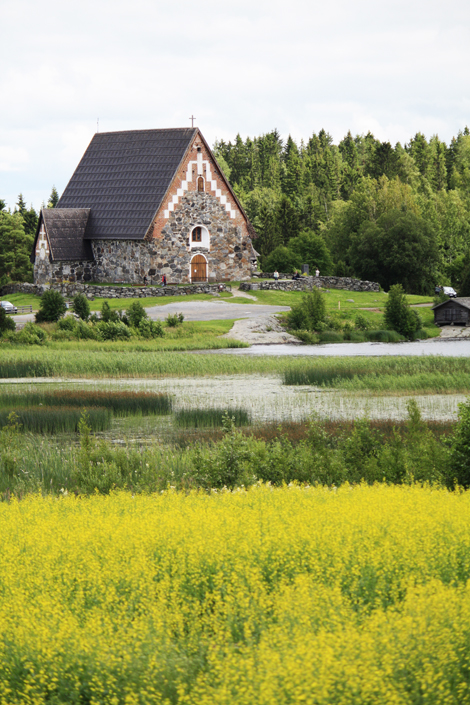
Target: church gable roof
x=65, y=228
x=123, y=178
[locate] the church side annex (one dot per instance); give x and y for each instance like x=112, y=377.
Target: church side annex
x=144, y=203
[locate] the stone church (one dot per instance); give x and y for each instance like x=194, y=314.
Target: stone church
x=144, y=203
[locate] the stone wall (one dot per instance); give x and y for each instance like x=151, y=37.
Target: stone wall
x=170, y=252
x=285, y=283
x=46, y=271
x=111, y=292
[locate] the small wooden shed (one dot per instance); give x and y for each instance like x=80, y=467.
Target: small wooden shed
x=452, y=311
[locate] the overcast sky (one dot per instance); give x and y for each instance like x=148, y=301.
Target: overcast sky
x=248, y=66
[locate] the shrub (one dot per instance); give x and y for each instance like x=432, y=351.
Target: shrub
x=113, y=330
x=282, y=259
x=150, y=329
x=6, y=322
x=31, y=334
x=68, y=323
x=107, y=314
x=52, y=307
x=174, y=320
x=136, y=313
x=81, y=307
x=398, y=314
x=361, y=322
x=310, y=314
x=460, y=447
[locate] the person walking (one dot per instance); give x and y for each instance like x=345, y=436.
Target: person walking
x=317, y=272
x=276, y=275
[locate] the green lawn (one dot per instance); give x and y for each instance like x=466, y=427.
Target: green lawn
x=337, y=300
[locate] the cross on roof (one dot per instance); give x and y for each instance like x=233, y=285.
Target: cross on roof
x=192, y=118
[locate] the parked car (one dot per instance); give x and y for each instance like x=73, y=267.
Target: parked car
x=9, y=308
x=449, y=291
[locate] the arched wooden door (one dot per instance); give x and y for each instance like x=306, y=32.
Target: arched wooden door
x=198, y=269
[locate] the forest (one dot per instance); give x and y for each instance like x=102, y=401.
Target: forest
x=364, y=208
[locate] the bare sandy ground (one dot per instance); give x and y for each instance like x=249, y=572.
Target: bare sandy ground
x=262, y=330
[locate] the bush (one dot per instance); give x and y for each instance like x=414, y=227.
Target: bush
x=361, y=322
x=113, y=330
x=52, y=307
x=398, y=314
x=282, y=259
x=68, y=323
x=31, y=335
x=6, y=322
x=136, y=313
x=174, y=320
x=108, y=315
x=81, y=307
x=310, y=314
x=150, y=329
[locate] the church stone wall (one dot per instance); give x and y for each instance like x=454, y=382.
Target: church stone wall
x=228, y=254
x=47, y=272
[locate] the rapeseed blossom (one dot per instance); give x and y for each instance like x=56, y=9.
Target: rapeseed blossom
x=267, y=596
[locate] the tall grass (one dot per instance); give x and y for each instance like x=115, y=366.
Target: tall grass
x=115, y=364
x=211, y=418
x=399, y=374
x=122, y=403
x=50, y=419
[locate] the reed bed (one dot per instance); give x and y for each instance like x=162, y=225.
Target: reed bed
x=53, y=419
x=211, y=418
x=146, y=364
x=122, y=403
x=425, y=374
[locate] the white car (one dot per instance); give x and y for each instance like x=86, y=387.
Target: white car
x=9, y=308
x=449, y=291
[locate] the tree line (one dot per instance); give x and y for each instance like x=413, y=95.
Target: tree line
x=360, y=208
x=17, y=231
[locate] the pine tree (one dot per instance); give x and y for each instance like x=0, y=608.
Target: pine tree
x=291, y=178
x=53, y=198
x=287, y=220
x=21, y=205
x=437, y=167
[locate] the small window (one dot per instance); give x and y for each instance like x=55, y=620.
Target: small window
x=200, y=184
x=197, y=235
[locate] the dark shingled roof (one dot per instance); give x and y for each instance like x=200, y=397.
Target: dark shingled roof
x=65, y=228
x=462, y=300
x=123, y=177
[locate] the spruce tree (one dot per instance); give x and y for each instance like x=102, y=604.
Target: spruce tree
x=53, y=198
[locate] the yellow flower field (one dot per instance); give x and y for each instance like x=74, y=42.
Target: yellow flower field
x=269, y=596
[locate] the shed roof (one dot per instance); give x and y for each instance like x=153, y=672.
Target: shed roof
x=463, y=301
x=123, y=178
x=65, y=228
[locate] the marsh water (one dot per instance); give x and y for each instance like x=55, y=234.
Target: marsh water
x=265, y=397
x=439, y=347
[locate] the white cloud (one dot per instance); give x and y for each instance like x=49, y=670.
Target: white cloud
x=392, y=68
x=13, y=158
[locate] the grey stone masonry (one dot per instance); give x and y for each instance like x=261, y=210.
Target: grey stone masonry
x=112, y=292
x=285, y=283
x=226, y=248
